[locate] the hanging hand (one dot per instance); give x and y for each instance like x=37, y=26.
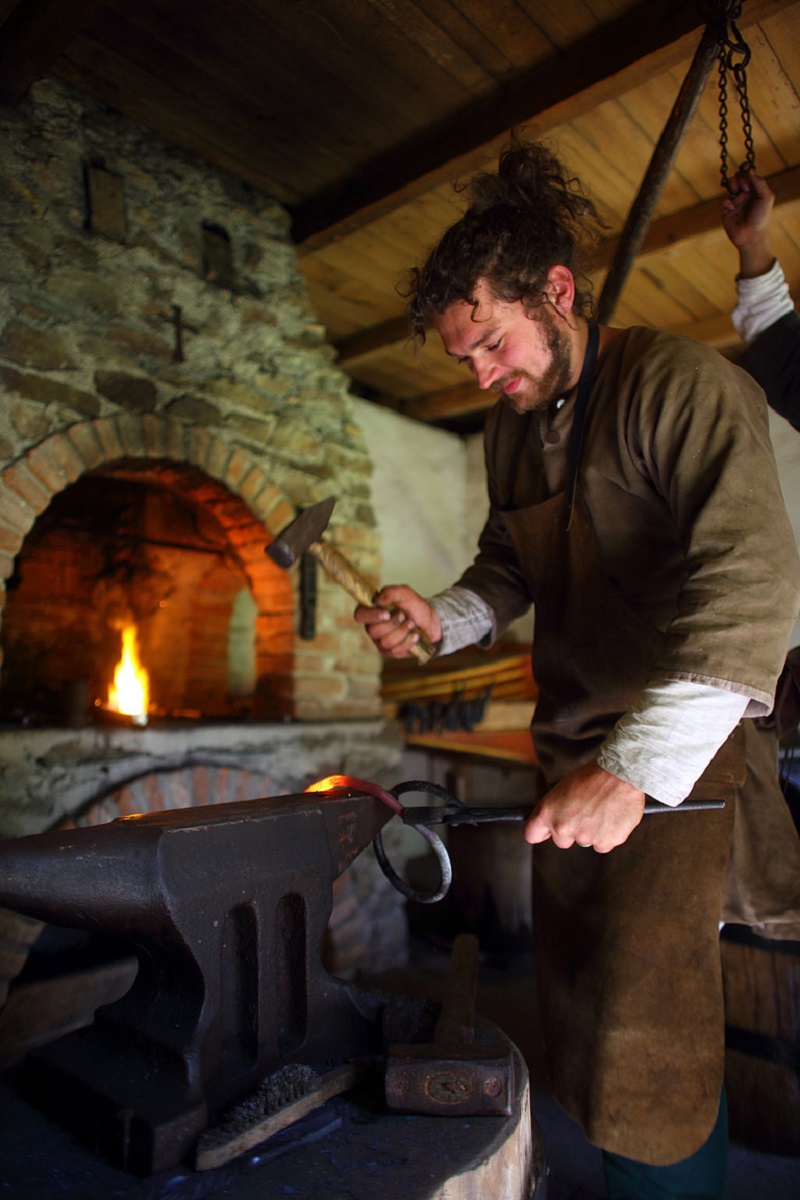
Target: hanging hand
x=746, y=213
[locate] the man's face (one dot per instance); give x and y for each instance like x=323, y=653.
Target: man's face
x=526, y=359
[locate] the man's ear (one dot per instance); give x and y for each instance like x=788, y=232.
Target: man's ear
x=560, y=289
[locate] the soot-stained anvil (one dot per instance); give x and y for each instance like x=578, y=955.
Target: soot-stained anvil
x=226, y=906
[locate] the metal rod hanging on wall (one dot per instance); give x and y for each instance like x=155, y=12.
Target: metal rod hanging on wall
x=661, y=162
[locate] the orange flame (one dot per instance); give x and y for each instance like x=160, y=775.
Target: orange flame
x=130, y=692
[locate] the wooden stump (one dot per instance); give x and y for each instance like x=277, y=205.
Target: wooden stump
x=353, y=1147
x=762, y=1039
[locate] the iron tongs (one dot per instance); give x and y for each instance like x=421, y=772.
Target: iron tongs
x=454, y=812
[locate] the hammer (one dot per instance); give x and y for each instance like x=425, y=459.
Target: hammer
x=453, y=1075
x=303, y=535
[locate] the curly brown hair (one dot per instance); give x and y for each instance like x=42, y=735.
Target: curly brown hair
x=521, y=221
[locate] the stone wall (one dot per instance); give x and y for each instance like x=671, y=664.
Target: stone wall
x=151, y=308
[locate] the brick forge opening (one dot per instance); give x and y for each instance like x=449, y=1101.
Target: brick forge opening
x=170, y=521
x=158, y=543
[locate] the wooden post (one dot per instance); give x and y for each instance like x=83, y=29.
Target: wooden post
x=660, y=165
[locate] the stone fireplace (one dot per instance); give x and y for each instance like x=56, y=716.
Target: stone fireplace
x=168, y=403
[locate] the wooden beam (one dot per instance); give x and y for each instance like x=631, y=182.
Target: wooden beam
x=456, y=401
x=34, y=35
x=693, y=222
x=654, y=37
x=376, y=337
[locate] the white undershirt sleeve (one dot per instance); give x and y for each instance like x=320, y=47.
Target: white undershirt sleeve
x=663, y=744
x=466, y=619
x=762, y=301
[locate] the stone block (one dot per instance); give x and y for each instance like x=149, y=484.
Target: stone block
x=49, y=391
x=45, y=350
x=192, y=408
x=135, y=393
x=106, y=203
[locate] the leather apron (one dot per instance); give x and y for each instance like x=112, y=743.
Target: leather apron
x=626, y=944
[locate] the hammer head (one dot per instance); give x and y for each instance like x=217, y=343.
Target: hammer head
x=450, y=1081
x=307, y=527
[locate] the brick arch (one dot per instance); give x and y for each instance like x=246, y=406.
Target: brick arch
x=203, y=467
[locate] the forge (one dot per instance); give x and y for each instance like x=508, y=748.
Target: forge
x=143, y=547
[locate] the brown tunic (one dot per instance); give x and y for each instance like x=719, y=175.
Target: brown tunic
x=679, y=563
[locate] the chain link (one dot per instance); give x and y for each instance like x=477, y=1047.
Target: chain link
x=733, y=57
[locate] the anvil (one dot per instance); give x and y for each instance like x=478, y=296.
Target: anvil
x=226, y=906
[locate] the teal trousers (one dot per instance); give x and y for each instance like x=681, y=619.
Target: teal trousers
x=702, y=1176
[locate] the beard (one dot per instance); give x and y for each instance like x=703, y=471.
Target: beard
x=537, y=392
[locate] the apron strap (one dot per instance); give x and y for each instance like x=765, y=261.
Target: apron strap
x=579, y=421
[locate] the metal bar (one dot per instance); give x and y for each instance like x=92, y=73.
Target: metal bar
x=449, y=814
x=661, y=162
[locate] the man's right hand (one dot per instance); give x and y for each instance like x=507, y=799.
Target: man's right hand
x=394, y=632
x=746, y=214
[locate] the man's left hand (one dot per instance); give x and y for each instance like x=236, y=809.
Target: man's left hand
x=589, y=807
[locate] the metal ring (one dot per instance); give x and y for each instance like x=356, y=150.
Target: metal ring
x=442, y=857
x=434, y=841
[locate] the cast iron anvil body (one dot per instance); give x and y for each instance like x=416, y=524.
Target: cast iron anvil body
x=226, y=906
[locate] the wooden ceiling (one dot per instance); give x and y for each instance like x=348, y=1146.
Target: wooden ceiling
x=358, y=114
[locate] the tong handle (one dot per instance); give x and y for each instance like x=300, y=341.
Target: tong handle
x=464, y=814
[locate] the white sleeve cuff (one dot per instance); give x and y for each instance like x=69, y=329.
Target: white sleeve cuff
x=762, y=301
x=466, y=619
x=666, y=741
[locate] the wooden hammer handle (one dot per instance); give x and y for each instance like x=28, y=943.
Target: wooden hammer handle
x=456, y=1024
x=342, y=571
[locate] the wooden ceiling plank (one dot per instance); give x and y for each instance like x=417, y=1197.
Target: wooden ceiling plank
x=516, y=40
x=654, y=36
x=782, y=34
x=177, y=118
x=562, y=23
x=201, y=50
x=373, y=52
x=389, y=333
x=33, y=35
x=599, y=173
x=773, y=99
x=420, y=26
x=610, y=125
x=683, y=288
x=500, y=35
x=153, y=65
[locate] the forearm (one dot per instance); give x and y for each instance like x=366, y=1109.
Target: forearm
x=466, y=619
x=763, y=300
x=665, y=742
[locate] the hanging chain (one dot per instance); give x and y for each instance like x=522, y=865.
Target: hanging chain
x=734, y=56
